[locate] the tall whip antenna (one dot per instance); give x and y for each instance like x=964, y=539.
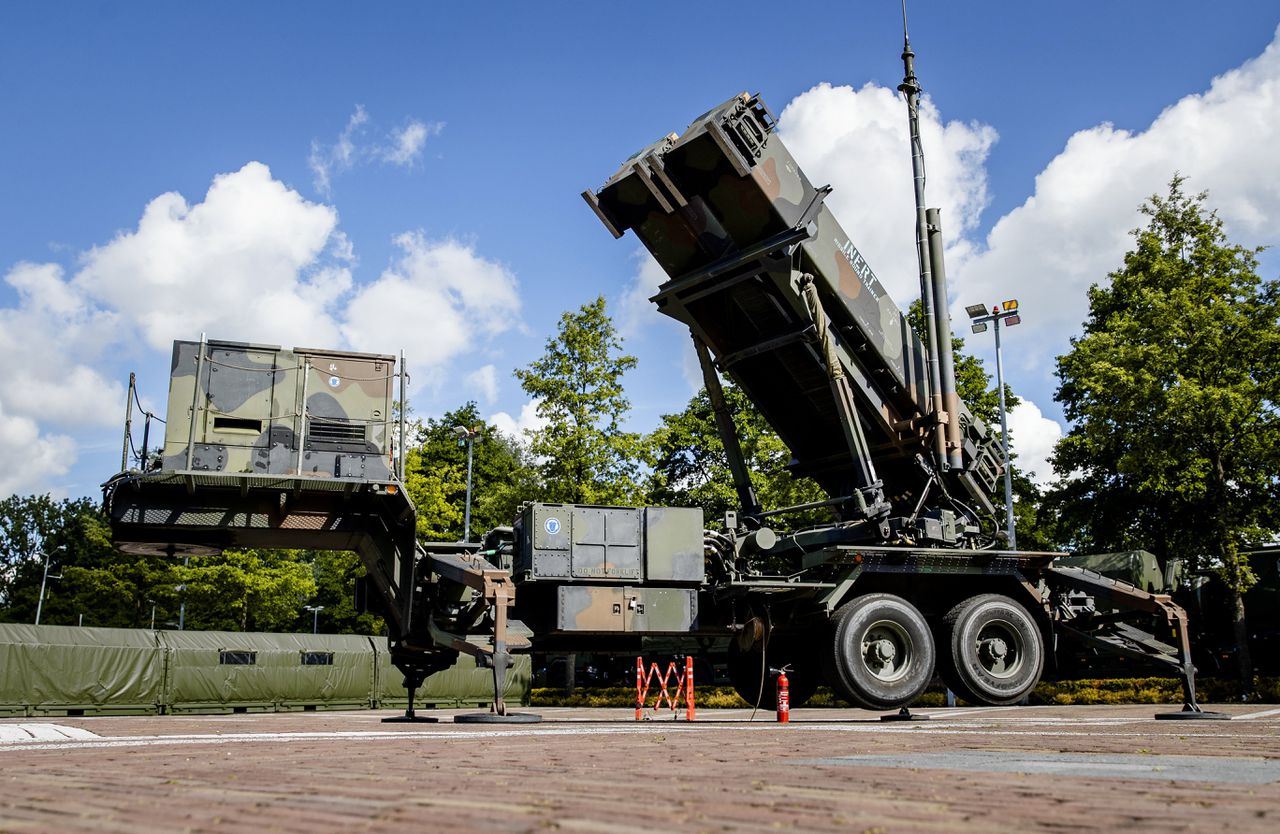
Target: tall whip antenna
x=933, y=284
x=910, y=87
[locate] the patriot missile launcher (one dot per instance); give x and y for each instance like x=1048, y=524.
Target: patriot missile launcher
x=290, y=449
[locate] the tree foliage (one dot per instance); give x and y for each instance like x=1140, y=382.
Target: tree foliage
x=93, y=583
x=335, y=573
x=583, y=455
x=502, y=475
x=1172, y=391
x=689, y=466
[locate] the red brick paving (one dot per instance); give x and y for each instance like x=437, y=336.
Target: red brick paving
x=598, y=771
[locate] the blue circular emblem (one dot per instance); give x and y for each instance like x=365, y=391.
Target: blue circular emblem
x=334, y=382
x=552, y=525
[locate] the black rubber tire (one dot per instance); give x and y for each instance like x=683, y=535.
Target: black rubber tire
x=866, y=624
x=794, y=651
x=971, y=671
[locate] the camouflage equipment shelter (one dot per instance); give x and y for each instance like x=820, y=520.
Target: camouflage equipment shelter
x=265, y=410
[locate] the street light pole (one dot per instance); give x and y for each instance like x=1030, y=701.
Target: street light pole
x=1004, y=444
x=44, y=581
x=1009, y=315
x=468, y=436
x=182, y=603
x=315, y=616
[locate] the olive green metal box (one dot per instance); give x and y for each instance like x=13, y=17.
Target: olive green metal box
x=596, y=608
x=584, y=543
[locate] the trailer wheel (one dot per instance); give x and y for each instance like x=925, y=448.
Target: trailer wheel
x=881, y=652
x=995, y=650
x=804, y=675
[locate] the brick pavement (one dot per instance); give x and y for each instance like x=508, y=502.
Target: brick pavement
x=598, y=770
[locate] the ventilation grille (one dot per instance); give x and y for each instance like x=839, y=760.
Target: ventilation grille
x=326, y=434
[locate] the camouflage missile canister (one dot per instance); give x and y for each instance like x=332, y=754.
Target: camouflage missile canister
x=734, y=221
x=264, y=410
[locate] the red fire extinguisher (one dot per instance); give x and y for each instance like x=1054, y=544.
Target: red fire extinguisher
x=784, y=696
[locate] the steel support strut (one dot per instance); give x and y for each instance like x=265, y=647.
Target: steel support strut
x=868, y=493
x=1107, y=633
x=728, y=432
x=496, y=594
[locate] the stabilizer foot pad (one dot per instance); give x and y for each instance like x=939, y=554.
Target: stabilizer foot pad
x=410, y=719
x=904, y=714
x=494, y=718
x=1192, y=716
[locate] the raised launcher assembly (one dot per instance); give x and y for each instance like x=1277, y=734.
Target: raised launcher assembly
x=269, y=447
x=778, y=297
x=764, y=276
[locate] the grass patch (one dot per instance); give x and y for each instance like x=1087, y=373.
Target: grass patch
x=1064, y=693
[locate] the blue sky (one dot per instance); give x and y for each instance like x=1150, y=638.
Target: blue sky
x=455, y=139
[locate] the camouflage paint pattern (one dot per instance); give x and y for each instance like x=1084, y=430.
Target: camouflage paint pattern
x=718, y=207
x=603, y=609
x=567, y=542
x=245, y=413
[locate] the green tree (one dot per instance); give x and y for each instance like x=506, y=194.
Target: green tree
x=247, y=590
x=689, y=466
x=430, y=487
x=1173, y=391
x=502, y=473
x=335, y=573
x=94, y=580
x=583, y=454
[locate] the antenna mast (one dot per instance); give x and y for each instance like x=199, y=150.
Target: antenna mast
x=933, y=283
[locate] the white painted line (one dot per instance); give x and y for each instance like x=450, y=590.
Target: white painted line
x=948, y=713
x=1250, y=715
x=11, y=733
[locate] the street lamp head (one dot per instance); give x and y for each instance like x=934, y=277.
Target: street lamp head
x=980, y=328
x=461, y=432
x=975, y=310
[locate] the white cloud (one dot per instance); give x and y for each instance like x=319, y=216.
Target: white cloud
x=338, y=157
x=1070, y=233
x=253, y=261
x=30, y=460
x=434, y=301
x=1074, y=229
x=244, y=264
x=857, y=141
x=1032, y=437
x=485, y=382
x=46, y=339
x=407, y=143
x=529, y=420
x=403, y=146
x=634, y=308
